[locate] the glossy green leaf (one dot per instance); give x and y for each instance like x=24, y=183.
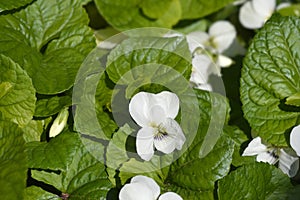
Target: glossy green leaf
x=200, y=174
x=37, y=193
x=192, y=174
x=240, y=139
x=217, y=118
x=12, y=4
x=255, y=181
x=192, y=9
x=44, y=155
x=92, y=98
x=49, y=44
x=17, y=100
x=293, y=100
x=292, y=10
x=33, y=130
x=116, y=150
x=138, y=52
x=123, y=162
x=200, y=25
x=189, y=194
x=81, y=175
x=13, y=161
x=271, y=73
x=51, y=106
x=128, y=14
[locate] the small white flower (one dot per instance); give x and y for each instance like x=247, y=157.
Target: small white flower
x=220, y=36
x=202, y=68
x=253, y=14
x=295, y=139
x=287, y=163
x=144, y=188
x=59, y=123
x=155, y=113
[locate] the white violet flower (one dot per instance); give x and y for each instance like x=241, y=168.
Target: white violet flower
x=289, y=164
x=144, y=188
x=253, y=14
x=202, y=68
x=155, y=113
x=220, y=36
x=59, y=123
x=295, y=139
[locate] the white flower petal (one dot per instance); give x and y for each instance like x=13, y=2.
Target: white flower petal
x=136, y=191
x=197, y=39
x=207, y=87
x=170, y=196
x=288, y=164
x=283, y=5
x=295, y=139
x=107, y=45
x=59, y=123
x=267, y=158
x=255, y=147
x=144, y=142
x=166, y=145
x=157, y=115
x=264, y=7
x=174, y=138
x=202, y=68
x=223, y=34
x=149, y=182
x=173, y=34
x=224, y=61
x=168, y=101
x=139, y=108
x=249, y=18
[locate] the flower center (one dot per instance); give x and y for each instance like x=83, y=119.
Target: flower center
x=161, y=133
x=274, y=152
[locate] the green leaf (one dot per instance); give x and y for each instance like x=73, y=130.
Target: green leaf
x=293, y=100
x=155, y=168
x=92, y=97
x=116, y=153
x=292, y=10
x=52, y=40
x=191, y=194
x=51, y=106
x=200, y=25
x=200, y=174
x=10, y=5
x=219, y=115
x=13, y=161
x=271, y=73
x=80, y=175
x=294, y=193
x=128, y=14
x=255, y=181
x=239, y=138
x=45, y=155
x=124, y=163
x=17, y=100
x=192, y=174
x=193, y=9
x=5, y=88
x=33, y=130
x=36, y=193
x=137, y=52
